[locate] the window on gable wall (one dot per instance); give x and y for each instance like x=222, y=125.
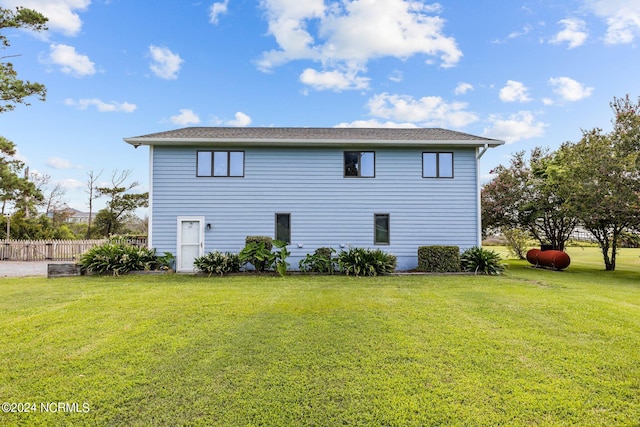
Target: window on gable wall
x=359, y=164
x=437, y=165
x=220, y=163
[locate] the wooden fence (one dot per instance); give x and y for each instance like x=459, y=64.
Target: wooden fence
x=52, y=250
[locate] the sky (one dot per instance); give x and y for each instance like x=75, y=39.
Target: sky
x=533, y=73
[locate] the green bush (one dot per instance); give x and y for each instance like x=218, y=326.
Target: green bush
x=320, y=261
x=366, y=262
x=257, y=252
x=268, y=241
x=280, y=261
x=439, y=259
x=518, y=241
x=218, y=263
x=117, y=258
x=483, y=261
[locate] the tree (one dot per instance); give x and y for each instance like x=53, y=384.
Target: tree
x=13, y=90
x=92, y=180
x=14, y=188
x=626, y=127
x=120, y=202
x=524, y=196
x=602, y=184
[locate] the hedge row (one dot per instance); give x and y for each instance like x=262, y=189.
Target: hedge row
x=439, y=259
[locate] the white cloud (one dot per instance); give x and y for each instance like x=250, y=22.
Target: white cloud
x=347, y=35
x=186, y=117
x=396, y=76
x=101, y=106
x=515, y=34
x=522, y=125
x=165, y=64
x=70, y=61
x=60, y=163
x=574, y=33
x=514, y=92
x=241, y=120
x=525, y=30
x=427, y=111
x=61, y=13
x=216, y=10
x=71, y=183
x=622, y=17
x=463, y=88
x=334, y=80
x=569, y=89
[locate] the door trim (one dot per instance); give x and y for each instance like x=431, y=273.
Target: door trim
x=180, y=220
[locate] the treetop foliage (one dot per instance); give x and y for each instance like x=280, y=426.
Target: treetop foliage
x=13, y=90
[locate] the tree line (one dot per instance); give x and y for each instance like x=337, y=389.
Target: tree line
x=31, y=206
x=593, y=183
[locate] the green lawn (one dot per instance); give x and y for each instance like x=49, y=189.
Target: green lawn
x=534, y=347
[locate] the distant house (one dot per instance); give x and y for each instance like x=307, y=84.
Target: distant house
x=74, y=216
x=393, y=189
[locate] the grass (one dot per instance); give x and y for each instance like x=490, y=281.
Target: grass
x=534, y=347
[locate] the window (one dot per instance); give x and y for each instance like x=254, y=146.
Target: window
x=220, y=163
x=381, y=232
x=359, y=164
x=283, y=227
x=437, y=165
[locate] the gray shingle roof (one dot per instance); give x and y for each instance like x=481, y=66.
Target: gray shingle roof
x=307, y=135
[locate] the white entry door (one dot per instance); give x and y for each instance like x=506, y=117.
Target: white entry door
x=190, y=242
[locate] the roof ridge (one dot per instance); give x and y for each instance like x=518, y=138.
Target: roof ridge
x=311, y=133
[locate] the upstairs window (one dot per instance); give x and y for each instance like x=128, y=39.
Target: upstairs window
x=220, y=163
x=437, y=165
x=359, y=164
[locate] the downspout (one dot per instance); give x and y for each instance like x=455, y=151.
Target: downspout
x=150, y=211
x=479, y=155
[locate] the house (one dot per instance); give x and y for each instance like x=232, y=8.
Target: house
x=74, y=216
x=393, y=189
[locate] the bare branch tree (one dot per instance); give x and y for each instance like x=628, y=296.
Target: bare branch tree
x=53, y=200
x=92, y=179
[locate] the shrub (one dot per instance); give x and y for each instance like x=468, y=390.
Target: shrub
x=320, y=261
x=166, y=261
x=268, y=241
x=482, y=261
x=218, y=263
x=518, y=241
x=366, y=262
x=281, y=257
x=439, y=259
x=117, y=258
x=257, y=252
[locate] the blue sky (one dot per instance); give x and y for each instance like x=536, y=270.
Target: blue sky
x=532, y=73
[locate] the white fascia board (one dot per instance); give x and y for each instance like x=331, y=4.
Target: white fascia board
x=276, y=142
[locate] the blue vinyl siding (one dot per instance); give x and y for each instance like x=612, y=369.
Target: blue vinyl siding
x=327, y=209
